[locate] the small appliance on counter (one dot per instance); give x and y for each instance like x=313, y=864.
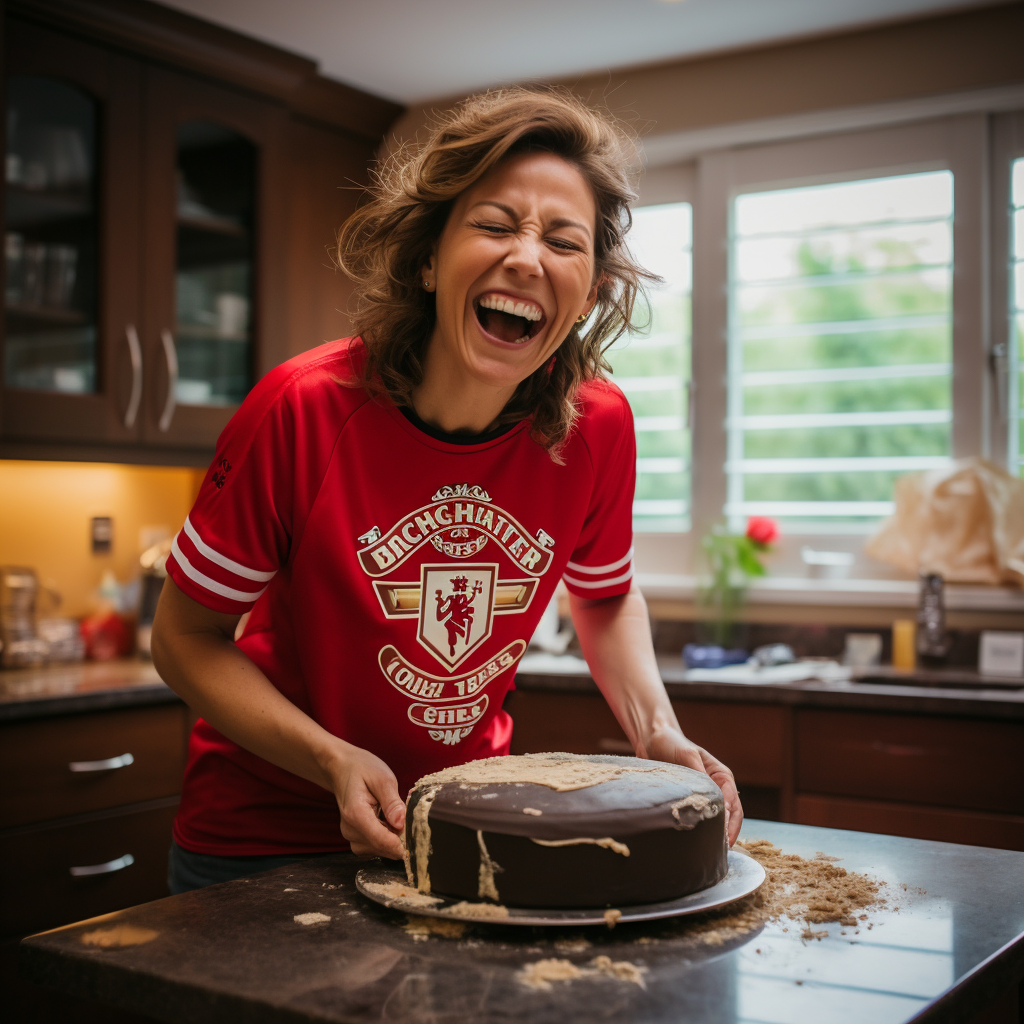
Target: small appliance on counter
x=19, y=592
x=154, y=571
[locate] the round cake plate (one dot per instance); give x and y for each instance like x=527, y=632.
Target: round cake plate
x=744, y=876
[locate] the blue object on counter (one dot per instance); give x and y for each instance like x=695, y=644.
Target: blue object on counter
x=713, y=656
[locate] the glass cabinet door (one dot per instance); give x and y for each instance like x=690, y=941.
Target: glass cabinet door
x=213, y=240
x=50, y=242
x=216, y=180
x=72, y=360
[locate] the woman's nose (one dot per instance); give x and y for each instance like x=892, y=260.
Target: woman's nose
x=524, y=255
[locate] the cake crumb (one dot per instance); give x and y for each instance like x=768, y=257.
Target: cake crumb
x=395, y=891
x=484, y=911
x=291, y=890
x=533, y=811
x=312, y=918
x=622, y=970
x=572, y=945
x=422, y=928
x=612, y=917
x=807, y=934
x=541, y=974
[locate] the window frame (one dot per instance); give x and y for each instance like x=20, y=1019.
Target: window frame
x=1007, y=146
x=711, y=180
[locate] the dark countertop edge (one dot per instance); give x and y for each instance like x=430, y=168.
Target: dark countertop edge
x=1006, y=967
x=853, y=696
x=94, y=700
x=146, y=993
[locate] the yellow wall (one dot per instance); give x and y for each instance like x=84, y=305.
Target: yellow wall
x=45, y=513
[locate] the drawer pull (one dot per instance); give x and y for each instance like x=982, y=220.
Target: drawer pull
x=118, y=864
x=106, y=765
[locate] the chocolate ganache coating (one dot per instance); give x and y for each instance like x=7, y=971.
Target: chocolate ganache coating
x=566, y=830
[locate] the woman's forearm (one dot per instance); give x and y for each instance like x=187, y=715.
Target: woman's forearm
x=615, y=635
x=194, y=652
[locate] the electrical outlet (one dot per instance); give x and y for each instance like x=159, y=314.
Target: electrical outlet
x=102, y=534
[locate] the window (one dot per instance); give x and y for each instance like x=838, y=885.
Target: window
x=1015, y=448
x=840, y=347
x=653, y=369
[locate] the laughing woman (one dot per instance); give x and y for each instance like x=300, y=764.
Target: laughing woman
x=396, y=509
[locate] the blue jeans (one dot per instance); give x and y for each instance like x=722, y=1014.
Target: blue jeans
x=187, y=870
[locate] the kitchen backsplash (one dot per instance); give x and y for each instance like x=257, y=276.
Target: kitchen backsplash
x=46, y=514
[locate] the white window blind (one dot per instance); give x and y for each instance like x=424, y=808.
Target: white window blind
x=1016, y=440
x=840, y=347
x=653, y=369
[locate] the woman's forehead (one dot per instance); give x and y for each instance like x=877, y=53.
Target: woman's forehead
x=545, y=181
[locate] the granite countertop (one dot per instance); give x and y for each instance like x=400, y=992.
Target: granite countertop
x=950, y=692
x=80, y=686
x=94, y=686
x=949, y=940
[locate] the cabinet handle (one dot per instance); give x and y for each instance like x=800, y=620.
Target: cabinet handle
x=118, y=864
x=171, y=355
x=122, y=761
x=135, y=352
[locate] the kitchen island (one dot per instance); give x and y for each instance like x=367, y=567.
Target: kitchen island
x=947, y=945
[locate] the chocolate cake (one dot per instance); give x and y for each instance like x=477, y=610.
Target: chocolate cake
x=565, y=830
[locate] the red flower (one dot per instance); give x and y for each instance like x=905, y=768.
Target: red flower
x=762, y=530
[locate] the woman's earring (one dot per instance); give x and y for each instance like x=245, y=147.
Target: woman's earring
x=426, y=284
x=582, y=317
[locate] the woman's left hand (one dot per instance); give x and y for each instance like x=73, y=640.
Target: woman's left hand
x=672, y=746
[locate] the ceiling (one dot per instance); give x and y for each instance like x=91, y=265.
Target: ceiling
x=415, y=50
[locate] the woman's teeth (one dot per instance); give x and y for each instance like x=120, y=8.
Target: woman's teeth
x=527, y=310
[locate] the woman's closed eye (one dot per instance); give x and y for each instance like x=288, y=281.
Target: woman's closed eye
x=565, y=244
x=495, y=229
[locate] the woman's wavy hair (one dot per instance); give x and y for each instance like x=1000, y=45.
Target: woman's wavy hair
x=384, y=246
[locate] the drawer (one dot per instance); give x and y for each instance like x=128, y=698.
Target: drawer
x=943, y=824
x=40, y=891
x=578, y=723
x=949, y=762
x=36, y=779
x=750, y=739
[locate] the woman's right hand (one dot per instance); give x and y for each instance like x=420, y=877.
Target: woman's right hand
x=372, y=812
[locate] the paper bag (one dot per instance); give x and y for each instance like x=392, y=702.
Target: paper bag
x=965, y=522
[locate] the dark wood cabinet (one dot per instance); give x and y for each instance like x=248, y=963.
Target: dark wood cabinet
x=172, y=191
x=952, y=779
x=86, y=806
x=177, y=305
x=50, y=393
x=55, y=767
x=214, y=247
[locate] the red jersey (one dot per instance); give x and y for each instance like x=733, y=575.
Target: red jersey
x=394, y=581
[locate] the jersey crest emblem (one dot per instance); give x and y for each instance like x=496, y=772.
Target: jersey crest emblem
x=456, y=609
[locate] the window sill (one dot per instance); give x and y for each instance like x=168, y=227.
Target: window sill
x=849, y=592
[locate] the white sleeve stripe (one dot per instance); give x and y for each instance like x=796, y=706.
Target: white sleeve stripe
x=596, y=585
x=209, y=584
x=597, y=570
x=222, y=560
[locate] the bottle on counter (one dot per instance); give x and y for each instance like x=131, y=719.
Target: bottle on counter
x=932, y=639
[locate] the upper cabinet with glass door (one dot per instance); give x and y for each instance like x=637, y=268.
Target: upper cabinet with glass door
x=72, y=361
x=144, y=242
x=51, y=242
x=214, y=254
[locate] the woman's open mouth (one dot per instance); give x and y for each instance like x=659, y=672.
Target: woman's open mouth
x=510, y=320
